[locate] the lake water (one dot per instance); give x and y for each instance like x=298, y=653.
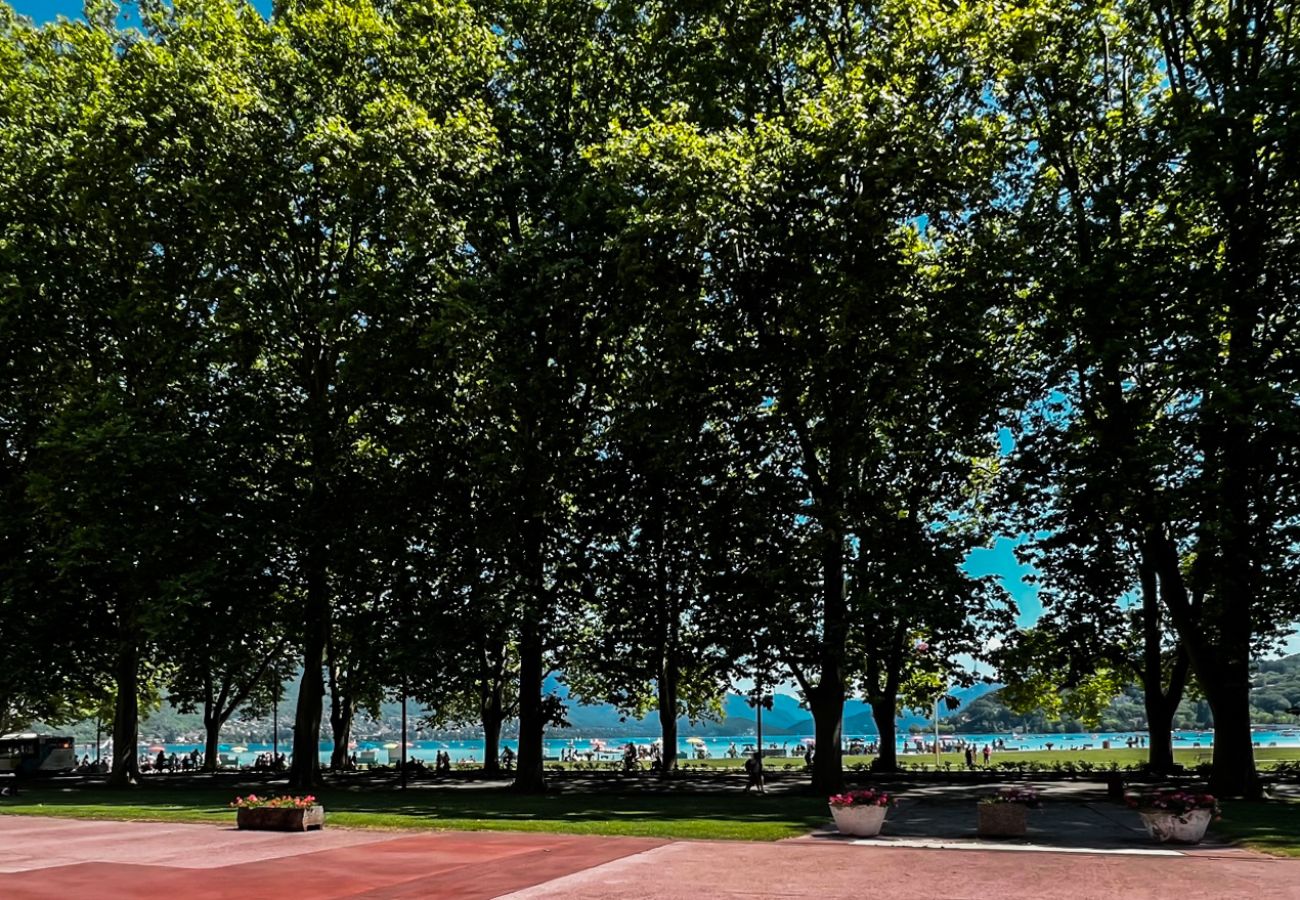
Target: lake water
x=472, y=750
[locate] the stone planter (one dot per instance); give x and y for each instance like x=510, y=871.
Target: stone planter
x=1002, y=819
x=266, y=818
x=1169, y=828
x=859, y=821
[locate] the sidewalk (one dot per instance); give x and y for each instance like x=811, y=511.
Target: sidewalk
x=802, y=870
x=59, y=858
x=1074, y=817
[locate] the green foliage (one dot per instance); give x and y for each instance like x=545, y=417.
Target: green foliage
x=442, y=345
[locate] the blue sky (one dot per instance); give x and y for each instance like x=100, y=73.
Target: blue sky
x=1000, y=560
x=47, y=10
x=44, y=10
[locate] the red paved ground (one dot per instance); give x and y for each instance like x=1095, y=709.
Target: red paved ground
x=203, y=866
x=200, y=862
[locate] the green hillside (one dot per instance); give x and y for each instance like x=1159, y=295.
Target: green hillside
x=1276, y=691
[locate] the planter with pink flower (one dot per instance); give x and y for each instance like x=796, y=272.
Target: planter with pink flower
x=1176, y=817
x=860, y=813
x=278, y=813
x=1006, y=813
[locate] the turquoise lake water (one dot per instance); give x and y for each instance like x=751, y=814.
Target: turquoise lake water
x=716, y=747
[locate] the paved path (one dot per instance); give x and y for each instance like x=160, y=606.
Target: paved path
x=64, y=858
x=60, y=858
x=689, y=870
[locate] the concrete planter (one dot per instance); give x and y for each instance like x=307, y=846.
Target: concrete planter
x=1170, y=828
x=1002, y=819
x=266, y=818
x=859, y=821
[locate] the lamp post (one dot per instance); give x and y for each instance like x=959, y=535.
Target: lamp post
x=936, y=730
x=923, y=647
x=275, y=727
x=403, y=754
x=758, y=701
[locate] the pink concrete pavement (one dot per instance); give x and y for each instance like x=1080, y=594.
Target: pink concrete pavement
x=63, y=858
x=795, y=870
x=38, y=843
x=48, y=858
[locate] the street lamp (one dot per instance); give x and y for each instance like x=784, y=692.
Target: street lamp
x=758, y=701
x=403, y=775
x=275, y=725
x=923, y=647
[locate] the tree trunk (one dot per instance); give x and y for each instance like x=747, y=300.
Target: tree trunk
x=304, y=766
x=493, y=715
x=1222, y=670
x=341, y=726
x=212, y=738
x=8, y=723
x=827, y=703
x=666, y=628
x=668, y=716
x=1160, y=737
x=1234, y=772
x=884, y=710
x=529, y=777
x=126, y=718
x=1160, y=704
x=827, y=699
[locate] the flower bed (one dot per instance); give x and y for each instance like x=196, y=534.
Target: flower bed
x=1177, y=817
x=1005, y=814
x=1026, y=797
x=278, y=813
x=860, y=813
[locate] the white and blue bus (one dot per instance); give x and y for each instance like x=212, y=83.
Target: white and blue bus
x=32, y=754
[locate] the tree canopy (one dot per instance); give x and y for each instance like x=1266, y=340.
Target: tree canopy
x=434, y=348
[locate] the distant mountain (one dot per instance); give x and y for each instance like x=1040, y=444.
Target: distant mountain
x=786, y=717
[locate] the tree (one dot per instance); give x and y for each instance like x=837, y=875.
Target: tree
x=343, y=189
x=39, y=611
x=464, y=663
x=656, y=494
x=542, y=304
x=125, y=386
x=1165, y=380
x=227, y=639
x=813, y=254
x=1230, y=108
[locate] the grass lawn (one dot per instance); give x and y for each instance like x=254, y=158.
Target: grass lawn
x=729, y=816
x=1122, y=756
x=1270, y=826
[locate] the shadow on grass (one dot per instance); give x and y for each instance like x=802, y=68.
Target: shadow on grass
x=1272, y=826
x=696, y=815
